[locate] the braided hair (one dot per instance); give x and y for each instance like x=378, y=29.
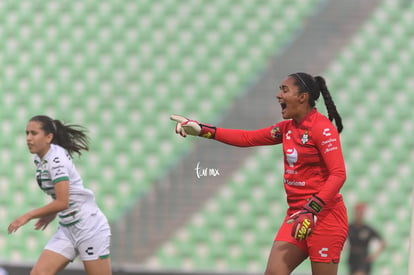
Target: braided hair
x=72, y=137
x=316, y=86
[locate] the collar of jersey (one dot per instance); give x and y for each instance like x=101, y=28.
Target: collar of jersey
x=309, y=114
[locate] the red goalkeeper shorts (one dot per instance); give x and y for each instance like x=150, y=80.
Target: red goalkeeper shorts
x=328, y=237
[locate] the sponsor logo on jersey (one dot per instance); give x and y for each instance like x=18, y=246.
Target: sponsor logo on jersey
x=322, y=252
x=329, y=145
x=291, y=156
x=59, y=173
x=294, y=183
x=323, y=143
x=330, y=149
x=291, y=171
x=89, y=251
x=327, y=132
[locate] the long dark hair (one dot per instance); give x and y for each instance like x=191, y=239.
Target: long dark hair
x=315, y=86
x=72, y=137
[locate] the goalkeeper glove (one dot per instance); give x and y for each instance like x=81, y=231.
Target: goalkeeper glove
x=305, y=220
x=187, y=126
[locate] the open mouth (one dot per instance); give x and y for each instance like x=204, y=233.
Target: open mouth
x=283, y=106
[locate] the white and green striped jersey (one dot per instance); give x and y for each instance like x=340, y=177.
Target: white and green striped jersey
x=57, y=166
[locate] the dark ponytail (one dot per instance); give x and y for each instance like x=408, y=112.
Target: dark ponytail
x=315, y=86
x=72, y=137
x=330, y=105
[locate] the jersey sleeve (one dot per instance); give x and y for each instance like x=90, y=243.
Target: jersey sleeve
x=328, y=142
x=248, y=138
x=58, y=169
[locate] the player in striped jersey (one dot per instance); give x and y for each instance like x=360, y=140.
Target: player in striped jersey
x=83, y=229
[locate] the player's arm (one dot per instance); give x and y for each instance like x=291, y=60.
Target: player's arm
x=235, y=137
x=59, y=176
x=60, y=203
x=381, y=247
x=246, y=138
x=328, y=142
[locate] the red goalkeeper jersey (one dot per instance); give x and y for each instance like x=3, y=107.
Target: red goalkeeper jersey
x=313, y=160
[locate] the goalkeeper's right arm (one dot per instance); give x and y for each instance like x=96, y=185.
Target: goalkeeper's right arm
x=187, y=126
x=234, y=137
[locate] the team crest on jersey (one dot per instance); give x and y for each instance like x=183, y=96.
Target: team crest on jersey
x=305, y=137
x=276, y=133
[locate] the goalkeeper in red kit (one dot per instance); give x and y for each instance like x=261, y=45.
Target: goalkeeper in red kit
x=316, y=223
